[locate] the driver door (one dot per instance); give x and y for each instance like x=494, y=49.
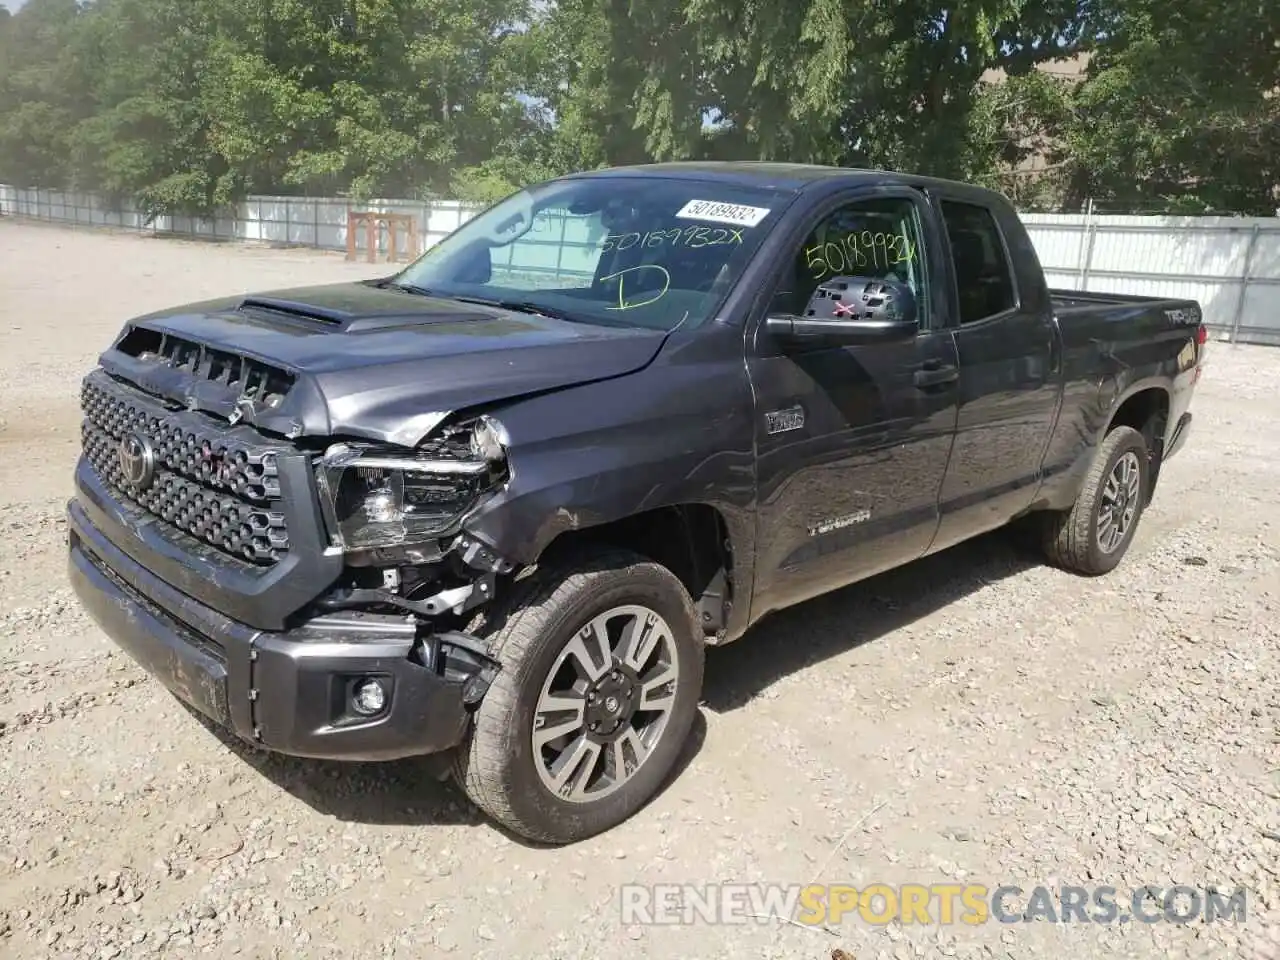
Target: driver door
x=852, y=441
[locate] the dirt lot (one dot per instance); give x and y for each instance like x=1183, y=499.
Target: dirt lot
x=974, y=718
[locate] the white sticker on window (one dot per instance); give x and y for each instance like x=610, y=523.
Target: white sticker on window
x=735, y=213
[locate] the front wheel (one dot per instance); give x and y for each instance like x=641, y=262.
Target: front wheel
x=1094, y=535
x=601, y=672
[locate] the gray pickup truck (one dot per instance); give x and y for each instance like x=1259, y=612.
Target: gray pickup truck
x=492, y=508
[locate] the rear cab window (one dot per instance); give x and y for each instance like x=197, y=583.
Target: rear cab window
x=985, y=285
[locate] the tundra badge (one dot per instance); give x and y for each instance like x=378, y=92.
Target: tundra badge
x=839, y=523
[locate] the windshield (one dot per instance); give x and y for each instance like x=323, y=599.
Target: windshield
x=622, y=251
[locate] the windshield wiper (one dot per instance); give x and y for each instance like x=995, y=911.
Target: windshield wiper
x=517, y=306
x=520, y=306
x=410, y=288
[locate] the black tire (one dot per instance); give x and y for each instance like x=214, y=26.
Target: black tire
x=1070, y=537
x=495, y=766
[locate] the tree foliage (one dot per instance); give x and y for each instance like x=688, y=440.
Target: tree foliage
x=185, y=105
x=1181, y=109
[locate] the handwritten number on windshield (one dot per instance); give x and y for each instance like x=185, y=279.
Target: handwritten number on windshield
x=692, y=237
x=623, y=303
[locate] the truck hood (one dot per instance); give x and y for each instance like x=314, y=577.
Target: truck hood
x=359, y=360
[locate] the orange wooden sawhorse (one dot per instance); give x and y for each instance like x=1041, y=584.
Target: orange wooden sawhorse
x=373, y=223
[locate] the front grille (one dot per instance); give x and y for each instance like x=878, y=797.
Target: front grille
x=220, y=488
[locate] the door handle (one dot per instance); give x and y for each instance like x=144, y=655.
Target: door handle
x=936, y=375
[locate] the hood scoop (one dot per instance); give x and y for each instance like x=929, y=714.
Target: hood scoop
x=295, y=310
x=358, y=309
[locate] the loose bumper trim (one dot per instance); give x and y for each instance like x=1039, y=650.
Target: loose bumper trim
x=284, y=691
x=1179, y=436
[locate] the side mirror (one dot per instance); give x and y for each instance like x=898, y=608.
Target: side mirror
x=475, y=265
x=850, y=311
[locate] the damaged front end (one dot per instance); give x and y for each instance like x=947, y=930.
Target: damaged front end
x=347, y=641
x=397, y=515
x=384, y=504
x=272, y=499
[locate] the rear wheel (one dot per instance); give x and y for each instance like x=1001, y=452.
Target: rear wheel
x=601, y=672
x=1094, y=535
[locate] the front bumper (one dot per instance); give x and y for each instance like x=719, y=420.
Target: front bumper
x=284, y=691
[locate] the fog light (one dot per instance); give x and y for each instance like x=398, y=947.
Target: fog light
x=368, y=697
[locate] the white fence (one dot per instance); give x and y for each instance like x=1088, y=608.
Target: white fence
x=302, y=221
x=1231, y=265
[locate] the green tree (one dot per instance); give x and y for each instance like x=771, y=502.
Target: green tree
x=1181, y=109
x=833, y=81
x=369, y=96
x=184, y=106
x=1014, y=143
x=42, y=92
x=593, y=67
x=148, y=137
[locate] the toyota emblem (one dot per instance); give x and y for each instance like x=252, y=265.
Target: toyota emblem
x=137, y=461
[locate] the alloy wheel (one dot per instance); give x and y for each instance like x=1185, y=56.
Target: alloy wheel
x=605, y=703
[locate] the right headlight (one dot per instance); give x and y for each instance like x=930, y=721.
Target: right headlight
x=378, y=497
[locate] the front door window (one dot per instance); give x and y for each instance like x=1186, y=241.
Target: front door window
x=876, y=239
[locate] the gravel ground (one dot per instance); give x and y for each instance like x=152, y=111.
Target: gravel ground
x=976, y=717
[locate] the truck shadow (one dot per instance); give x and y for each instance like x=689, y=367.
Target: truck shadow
x=791, y=640
x=393, y=793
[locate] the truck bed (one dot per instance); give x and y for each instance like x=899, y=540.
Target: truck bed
x=1125, y=327
x=1066, y=301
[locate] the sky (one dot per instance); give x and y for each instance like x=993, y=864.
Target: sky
x=12, y=4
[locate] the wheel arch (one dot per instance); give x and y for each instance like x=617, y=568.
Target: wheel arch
x=693, y=540
x=1144, y=407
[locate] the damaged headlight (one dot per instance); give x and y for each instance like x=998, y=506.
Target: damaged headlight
x=375, y=497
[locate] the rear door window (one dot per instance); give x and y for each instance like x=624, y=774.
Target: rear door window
x=984, y=278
